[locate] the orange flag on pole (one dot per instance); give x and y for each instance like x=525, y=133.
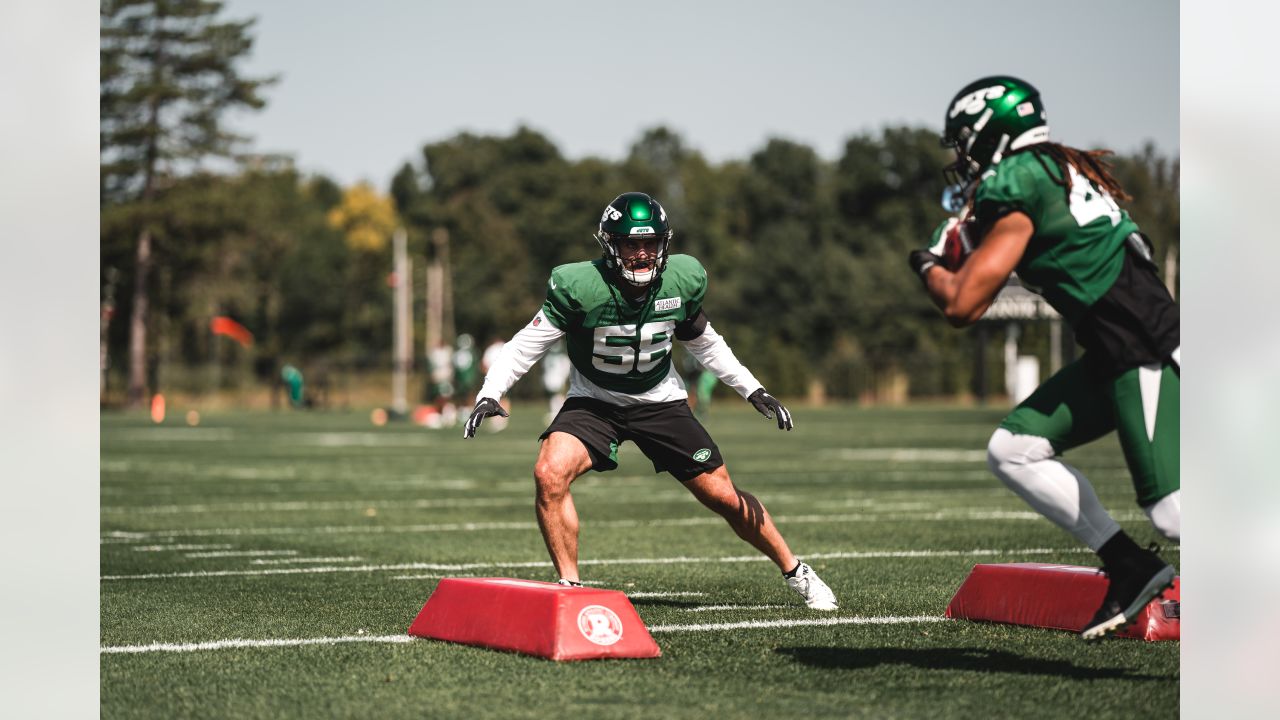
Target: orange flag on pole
x=223, y=325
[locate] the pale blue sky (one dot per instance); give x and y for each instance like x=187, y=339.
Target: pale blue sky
x=364, y=85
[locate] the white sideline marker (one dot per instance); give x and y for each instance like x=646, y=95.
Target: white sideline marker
x=401, y=639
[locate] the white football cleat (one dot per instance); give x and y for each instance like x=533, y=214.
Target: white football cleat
x=809, y=586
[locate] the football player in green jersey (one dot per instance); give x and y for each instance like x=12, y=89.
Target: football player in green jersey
x=619, y=315
x=1050, y=213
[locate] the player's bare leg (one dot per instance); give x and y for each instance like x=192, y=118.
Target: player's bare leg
x=744, y=513
x=750, y=520
x=561, y=460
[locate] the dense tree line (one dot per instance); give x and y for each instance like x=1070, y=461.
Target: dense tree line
x=805, y=256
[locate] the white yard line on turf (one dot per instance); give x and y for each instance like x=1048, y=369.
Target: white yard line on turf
x=165, y=548
x=663, y=594
x=302, y=560
x=400, y=639
x=936, y=455
x=939, y=516
x=710, y=608
x=309, y=506
x=240, y=553
x=681, y=560
x=755, y=624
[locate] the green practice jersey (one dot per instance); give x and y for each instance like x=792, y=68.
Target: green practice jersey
x=619, y=345
x=1078, y=247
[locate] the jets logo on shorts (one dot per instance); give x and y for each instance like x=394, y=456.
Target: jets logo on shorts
x=702, y=455
x=600, y=625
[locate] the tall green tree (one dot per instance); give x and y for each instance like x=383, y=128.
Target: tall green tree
x=167, y=75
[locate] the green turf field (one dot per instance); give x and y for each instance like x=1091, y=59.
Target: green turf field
x=292, y=526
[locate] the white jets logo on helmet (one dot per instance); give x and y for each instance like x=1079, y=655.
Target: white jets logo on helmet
x=642, y=230
x=974, y=102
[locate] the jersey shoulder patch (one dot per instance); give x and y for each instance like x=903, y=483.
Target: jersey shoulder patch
x=684, y=277
x=570, y=289
x=1018, y=183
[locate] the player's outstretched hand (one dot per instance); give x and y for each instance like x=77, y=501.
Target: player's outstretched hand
x=769, y=407
x=922, y=260
x=486, y=407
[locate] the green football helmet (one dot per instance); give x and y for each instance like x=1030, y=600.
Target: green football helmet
x=988, y=118
x=634, y=215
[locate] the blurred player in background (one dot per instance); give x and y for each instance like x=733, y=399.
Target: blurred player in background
x=1049, y=212
x=620, y=314
x=704, y=383
x=440, y=390
x=466, y=370
x=492, y=352
x=555, y=373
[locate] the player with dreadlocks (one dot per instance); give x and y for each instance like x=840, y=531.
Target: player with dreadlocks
x=1050, y=213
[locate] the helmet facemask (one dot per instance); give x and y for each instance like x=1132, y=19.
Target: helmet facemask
x=610, y=244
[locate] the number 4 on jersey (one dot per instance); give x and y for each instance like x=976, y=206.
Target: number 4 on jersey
x=1088, y=203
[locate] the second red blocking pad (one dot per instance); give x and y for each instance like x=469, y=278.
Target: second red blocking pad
x=1062, y=597
x=535, y=618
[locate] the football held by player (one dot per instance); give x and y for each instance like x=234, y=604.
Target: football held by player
x=1050, y=213
x=620, y=315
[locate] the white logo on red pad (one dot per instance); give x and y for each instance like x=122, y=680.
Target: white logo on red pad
x=600, y=625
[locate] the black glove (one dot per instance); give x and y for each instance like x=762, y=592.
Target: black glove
x=922, y=260
x=769, y=407
x=486, y=407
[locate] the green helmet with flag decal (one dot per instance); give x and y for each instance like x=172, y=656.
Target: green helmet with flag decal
x=635, y=216
x=989, y=118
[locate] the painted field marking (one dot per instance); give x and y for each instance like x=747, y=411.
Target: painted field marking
x=710, y=608
x=302, y=560
x=934, y=455
x=938, y=516
x=756, y=624
x=401, y=639
x=679, y=560
x=644, y=594
x=240, y=553
x=308, y=506
x=166, y=548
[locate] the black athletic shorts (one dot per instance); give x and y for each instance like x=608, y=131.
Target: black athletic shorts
x=667, y=433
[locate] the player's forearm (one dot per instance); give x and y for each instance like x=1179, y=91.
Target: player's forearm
x=526, y=348
x=961, y=305
x=714, y=353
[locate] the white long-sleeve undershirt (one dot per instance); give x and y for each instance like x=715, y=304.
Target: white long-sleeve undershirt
x=536, y=339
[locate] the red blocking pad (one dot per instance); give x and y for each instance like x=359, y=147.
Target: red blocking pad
x=1062, y=597
x=535, y=618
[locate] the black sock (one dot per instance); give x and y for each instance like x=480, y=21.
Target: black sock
x=1118, y=549
x=792, y=572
